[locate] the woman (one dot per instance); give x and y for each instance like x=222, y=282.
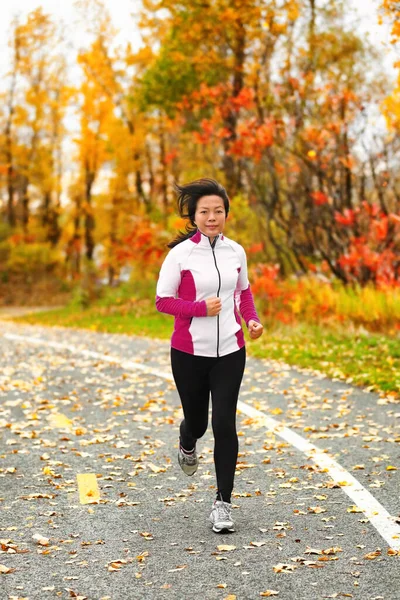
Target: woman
x=203, y=283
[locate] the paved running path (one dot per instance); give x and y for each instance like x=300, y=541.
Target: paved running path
x=298, y=532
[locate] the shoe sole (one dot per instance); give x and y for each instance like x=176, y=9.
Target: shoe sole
x=223, y=529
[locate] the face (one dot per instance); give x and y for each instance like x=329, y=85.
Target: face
x=210, y=215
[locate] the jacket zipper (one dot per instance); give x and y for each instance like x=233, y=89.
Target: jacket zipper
x=219, y=288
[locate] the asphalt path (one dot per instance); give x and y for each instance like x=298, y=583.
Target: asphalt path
x=77, y=402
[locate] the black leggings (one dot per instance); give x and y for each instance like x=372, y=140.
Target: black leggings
x=195, y=377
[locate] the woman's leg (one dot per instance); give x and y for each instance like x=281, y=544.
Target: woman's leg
x=191, y=378
x=225, y=380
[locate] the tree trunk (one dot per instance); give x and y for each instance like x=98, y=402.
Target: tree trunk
x=232, y=178
x=89, y=218
x=163, y=166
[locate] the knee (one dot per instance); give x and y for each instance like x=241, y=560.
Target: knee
x=223, y=428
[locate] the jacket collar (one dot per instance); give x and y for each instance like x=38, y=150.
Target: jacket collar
x=204, y=240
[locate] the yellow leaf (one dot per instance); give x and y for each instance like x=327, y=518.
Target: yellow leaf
x=88, y=489
x=276, y=411
x=269, y=593
x=222, y=585
x=60, y=421
x=156, y=469
x=354, y=509
x=373, y=555
x=226, y=548
x=391, y=468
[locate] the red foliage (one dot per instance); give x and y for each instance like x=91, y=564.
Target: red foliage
x=319, y=198
x=255, y=248
x=21, y=238
x=169, y=157
x=141, y=246
x=265, y=282
x=347, y=218
x=372, y=254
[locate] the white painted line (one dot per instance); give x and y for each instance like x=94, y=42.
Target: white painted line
x=378, y=516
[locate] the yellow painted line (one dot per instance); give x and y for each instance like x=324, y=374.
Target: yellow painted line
x=89, y=492
x=60, y=421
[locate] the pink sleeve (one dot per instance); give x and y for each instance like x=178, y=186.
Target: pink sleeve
x=167, y=288
x=181, y=308
x=243, y=295
x=246, y=306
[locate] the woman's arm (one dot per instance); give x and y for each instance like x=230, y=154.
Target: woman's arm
x=181, y=308
x=168, y=284
x=247, y=307
x=244, y=297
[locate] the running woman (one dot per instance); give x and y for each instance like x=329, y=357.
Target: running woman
x=203, y=283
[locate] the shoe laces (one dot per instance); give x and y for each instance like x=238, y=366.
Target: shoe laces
x=189, y=459
x=224, y=510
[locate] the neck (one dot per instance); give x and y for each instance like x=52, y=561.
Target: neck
x=211, y=238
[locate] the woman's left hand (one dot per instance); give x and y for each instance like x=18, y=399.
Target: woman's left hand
x=255, y=329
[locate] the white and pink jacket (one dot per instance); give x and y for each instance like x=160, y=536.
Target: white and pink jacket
x=195, y=270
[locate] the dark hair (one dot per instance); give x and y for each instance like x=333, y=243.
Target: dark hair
x=188, y=196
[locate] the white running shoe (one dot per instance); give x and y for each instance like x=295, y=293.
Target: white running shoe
x=188, y=462
x=221, y=518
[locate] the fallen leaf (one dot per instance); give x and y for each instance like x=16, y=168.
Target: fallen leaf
x=226, y=548
x=40, y=539
x=257, y=544
x=4, y=569
x=316, y=509
x=283, y=568
x=309, y=550
x=354, y=509
x=333, y=550
x=372, y=555
x=156, y=469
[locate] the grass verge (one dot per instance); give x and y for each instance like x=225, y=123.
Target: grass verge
x=365, y=359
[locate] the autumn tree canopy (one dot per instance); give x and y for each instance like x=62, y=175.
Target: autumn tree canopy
x=272, y=98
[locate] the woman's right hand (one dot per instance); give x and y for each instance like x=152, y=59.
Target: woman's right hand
x=214, y=306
